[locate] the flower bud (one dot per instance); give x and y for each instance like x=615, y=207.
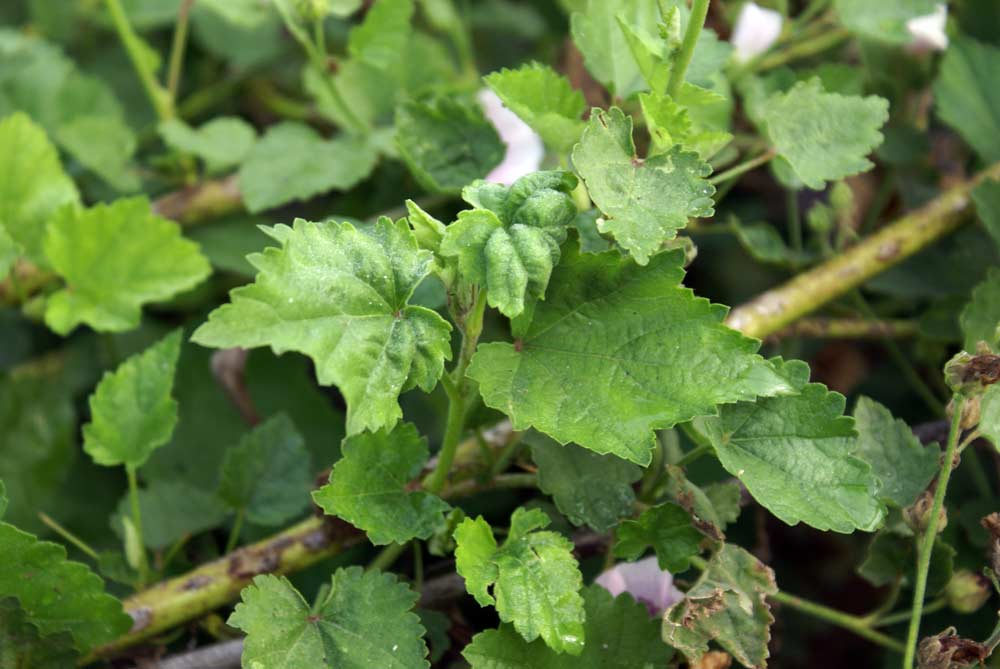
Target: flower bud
x=312, y=10
x=970, y=374
x=967, y=591
x=947, y=650
x=917, y=516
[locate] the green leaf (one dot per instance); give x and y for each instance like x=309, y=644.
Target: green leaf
x=967, y=97
x=545, y=100
x=369, y=487
x=21, y=646
x=359, y=330
x=151, y=262
x=726, y=605
x=535, y=578
x=105, y=145
x=56, y=594
x=605, y=360
x=446, y=143
x=645, y=202
x=33, y=185
x=605, y=48
x=170, y=511
x=987, y=198
x=795, y=454
x=620, y=635
x=366, y=620
x=377, y=40
x=511, y=243
x=588, y=488
x=901, y=463
x=222, y=143
x=292, y=162
x=892, y=556
x=3, y=499
x=131, y=411
x=981, y=316
x=711, y=508
x=670, y=120
x=989, y=411
x=883, y=21
x=668, y=529
x=267, y=475
x=824, y=136
x=428, y=230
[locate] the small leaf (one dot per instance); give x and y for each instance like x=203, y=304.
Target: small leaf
x=359, y=329
x=365, y=621
x=292, y=162
x=981, y=316
x=536, y=580
x=726, y=605
x=795, y=456
x=377, y=39
x=151, y=262
x=446, y=143
x=605, y=360
x=369, y=487
x=170, y=510
x=428, y=230
x=672, y=121
x=222, y=143
x=132, y=411
x=545, y=100
x=597, y=33
x=33, y=185
x=967, y=97
x=620, y=635
x=824, y=136
x=645, y=202
x=898, y=459
x=668, y=529
x=268, y=474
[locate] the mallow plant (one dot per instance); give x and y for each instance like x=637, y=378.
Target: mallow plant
x=392, y=334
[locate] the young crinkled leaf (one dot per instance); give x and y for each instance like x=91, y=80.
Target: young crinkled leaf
x=32, y=187
x=545, y=100
x=726, y=605
x=795, y=454
x=645, y=202
x=151, y=262
x=22, y=647
x=222, y=143
x=980, y=319
x=132, y=412
x=620, y=635
x=536, y=580
x=446, y=143
x=510, y=242
x=292, y=162
x=369, y=487
x=588, y=488
x=668, y=529
x=365, y=621
x=824, y=136
x=340, y=295
x=967, y=97
x=901, y=463
x=617, y=351
x=268, y=474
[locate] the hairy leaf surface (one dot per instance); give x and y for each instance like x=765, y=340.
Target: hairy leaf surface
x=545, y=100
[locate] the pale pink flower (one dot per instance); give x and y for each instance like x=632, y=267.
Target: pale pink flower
x=928, y=30
x=755, y=31
x=524, y=147
x=645, y=581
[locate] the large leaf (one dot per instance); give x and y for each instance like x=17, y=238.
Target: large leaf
x=726, y=605
x=268, y=474
x=116, y=258
x=620, y=635
x=901, y=463
x=645, y=202
x=365, y=621
x=824, y=136
x=369, y=487
x=132, y=412
x=340, y=295
x=967, y=96
x=21, y=646
x=588, y=488
x=535, y=578
x=545, y=100
x=980, y=318
x=668, y=529
x=292, y=162
x=32, y=185
x=795, y=454
x=617, y=351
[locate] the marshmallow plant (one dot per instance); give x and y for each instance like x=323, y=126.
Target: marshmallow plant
x=392, y=334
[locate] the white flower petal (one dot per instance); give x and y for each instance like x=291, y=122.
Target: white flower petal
x=645, y=581
x=525, y=150
x=755, y=31
x=928, y=30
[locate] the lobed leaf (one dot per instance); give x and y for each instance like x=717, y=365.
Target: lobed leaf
x=668, y=529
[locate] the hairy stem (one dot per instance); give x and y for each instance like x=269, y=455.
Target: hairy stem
x=743, y=168
x=807, y=292
x=848, y=328
x=847, y=621
x=699, y=10
x=177, y=50
x=136, y=50
x=926, y=546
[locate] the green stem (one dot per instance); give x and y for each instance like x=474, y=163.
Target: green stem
x=904, y=616
x=507, y=455
x=794, y=221
x=743, y=167
x=387, y=556
x=68, y=536
x=177, y=50
x=136, y=50
x=133, y=493
x=845, y=620
x=926, y=545
x=699, y=10
x=803, y=49
x=234, y=533
x=693, y=455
